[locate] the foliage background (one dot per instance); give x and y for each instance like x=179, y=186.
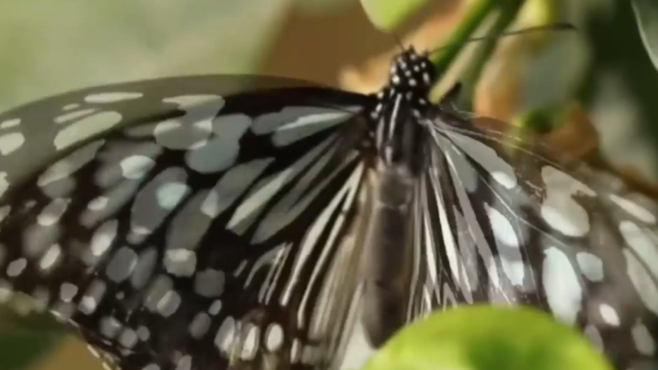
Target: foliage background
x=52, y=47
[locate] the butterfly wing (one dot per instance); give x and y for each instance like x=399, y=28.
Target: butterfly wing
x=180, y=223
x=527, y=230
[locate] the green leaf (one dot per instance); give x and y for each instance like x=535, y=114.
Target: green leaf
x=25, y=338
x=26, y=349
x=388, y=14
x=646, y=16
x=488, y=338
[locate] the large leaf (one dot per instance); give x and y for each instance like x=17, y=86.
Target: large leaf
x=646, y=15
x=488, y=338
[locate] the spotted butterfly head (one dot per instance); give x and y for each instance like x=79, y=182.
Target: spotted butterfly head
x=412, y=71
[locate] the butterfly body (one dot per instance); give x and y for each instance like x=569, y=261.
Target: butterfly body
x=187, y=224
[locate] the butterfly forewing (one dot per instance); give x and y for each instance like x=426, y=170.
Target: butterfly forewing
x=183, y=226
x=523, y=229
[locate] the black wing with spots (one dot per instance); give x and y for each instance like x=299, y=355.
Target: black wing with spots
x=181, y=224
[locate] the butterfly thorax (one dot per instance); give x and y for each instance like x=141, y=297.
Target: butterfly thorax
x=400, y=105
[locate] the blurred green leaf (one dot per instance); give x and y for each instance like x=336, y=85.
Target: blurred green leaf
x=388, y=14
x=488, y=338
x=26, y=349
x=49, y=48
x=646, y=15
x=26, y=338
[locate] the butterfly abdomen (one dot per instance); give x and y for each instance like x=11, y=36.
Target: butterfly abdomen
x=386, y=257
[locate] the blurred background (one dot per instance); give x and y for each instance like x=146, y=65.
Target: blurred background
x=600, y=72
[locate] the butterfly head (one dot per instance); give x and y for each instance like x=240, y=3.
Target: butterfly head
x=413, y=71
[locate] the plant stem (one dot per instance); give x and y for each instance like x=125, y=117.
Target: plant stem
x=507, y=13
x=455, y=42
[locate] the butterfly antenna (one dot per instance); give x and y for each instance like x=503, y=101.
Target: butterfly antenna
x=561, y=26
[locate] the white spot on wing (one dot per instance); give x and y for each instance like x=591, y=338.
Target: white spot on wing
x=51, y=257
x=180, y=262
x=225, y=335
x=559, y=209
x=52, y=212
x=86, y=128
x=308, y=125
x=184, y=363
x=274, y=337
x=502, y=228
x=465, y=172
x=487, y=157
x=110, y=326
x=209, y=283
x=143, y=333
x=67, y=166
x=169, y=195
x=98, y=203
x=5, y=291
x=16, y=267
x=67, y=292
x=73, y=115
x=590, y=265
x=271, y=122
x=155, y=201
x=101, y=241
x=634, y=209
x=232, y=184
x=92, y=297
x=200, y=325
x=515, y=271
x=157, y=289
x=128, y=338
x=642, y=281
x=112, y=97
x=642, y=244
x=11, y=142
x=643, y=340
x=194, y=126
x=10, y=123
x=215, y=307
x=122, y=264
x=4, y=210
x=4, y=184
x=145, y=267
x=250, y=344
x=220, y=152
x=169, y=303
x=136, y=166
x=561, y=284
x=609, y=314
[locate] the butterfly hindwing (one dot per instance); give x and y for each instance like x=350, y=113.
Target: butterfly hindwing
x=519, y=228
x=179, y=226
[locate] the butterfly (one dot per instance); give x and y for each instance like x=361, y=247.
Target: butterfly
x=191, y=223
